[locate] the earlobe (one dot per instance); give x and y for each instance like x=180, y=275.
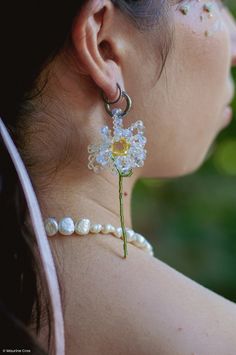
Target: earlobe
x=93, y=51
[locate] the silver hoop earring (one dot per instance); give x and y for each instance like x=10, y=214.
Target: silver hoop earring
x=115, y=101
x=122, y=93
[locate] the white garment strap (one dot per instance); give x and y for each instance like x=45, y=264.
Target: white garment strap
x=43, y=245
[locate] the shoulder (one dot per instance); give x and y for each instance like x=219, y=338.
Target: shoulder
x=137, y=305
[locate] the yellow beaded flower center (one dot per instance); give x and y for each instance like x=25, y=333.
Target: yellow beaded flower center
x=121, y=147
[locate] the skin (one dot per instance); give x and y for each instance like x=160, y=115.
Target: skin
x=183, y=112
x=186, y=106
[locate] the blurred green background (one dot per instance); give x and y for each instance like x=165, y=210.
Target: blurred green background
x=191, y=221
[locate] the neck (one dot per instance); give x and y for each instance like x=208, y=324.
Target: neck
x=73, y=190
x=93, y=196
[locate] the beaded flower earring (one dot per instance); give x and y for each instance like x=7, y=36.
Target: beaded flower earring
x=121, y=150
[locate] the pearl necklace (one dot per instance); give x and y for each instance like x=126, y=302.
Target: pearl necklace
x=66, y=226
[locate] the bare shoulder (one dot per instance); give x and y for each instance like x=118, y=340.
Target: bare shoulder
x=137, y=305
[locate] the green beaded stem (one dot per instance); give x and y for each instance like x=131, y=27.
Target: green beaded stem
x=122, y=222
x=122, y=210
x=122, y=215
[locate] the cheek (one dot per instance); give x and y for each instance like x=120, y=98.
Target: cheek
x=201, y=71
x=197, y=77
x=202, y=54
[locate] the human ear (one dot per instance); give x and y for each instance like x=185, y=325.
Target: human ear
x=95, y=46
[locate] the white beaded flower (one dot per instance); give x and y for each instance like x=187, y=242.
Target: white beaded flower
x=122, y=151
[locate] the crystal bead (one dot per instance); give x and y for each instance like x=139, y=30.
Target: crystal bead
x=138, y=163
x=117, y=134
x=138, y=125
x=92, y=148
x=51, y=226
x=117, y=123
x=105, y=130
x=116, y=112
x=123, y=164
x=102, y=159
x=66, y=226
x=120, y=148
x=141, y=139
x=126, y=133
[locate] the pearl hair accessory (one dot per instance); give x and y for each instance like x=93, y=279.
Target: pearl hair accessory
x=66, y=226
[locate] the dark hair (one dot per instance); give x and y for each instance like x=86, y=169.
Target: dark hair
x=33, y=33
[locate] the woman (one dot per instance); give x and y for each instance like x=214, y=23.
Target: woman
x=173, y=59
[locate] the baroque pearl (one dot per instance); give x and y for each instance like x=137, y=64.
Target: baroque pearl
x=51, y=226
x=107, y=228
x=139, y=240
x=147, y=245
x=95, y=228
x=118, y=232
x=66, y=226
x=82, y=227
x=130, y=235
